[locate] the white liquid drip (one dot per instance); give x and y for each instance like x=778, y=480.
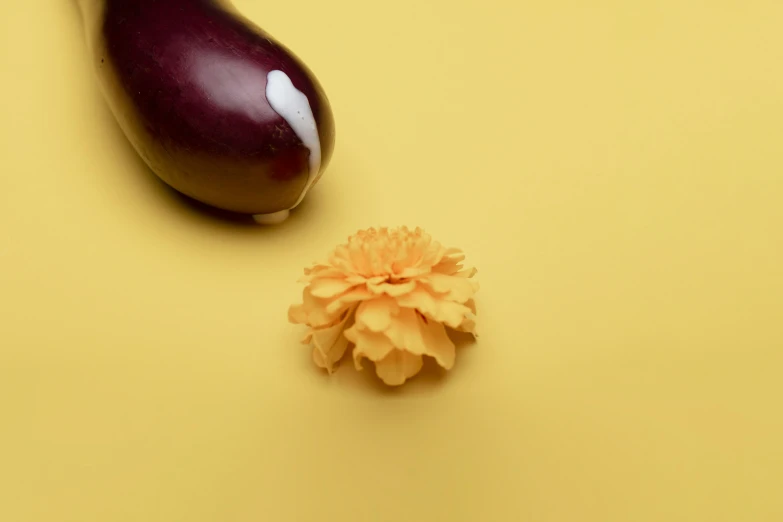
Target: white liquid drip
x=294, y=107
x=275, y=218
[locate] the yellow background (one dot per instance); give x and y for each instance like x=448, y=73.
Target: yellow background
x=613, y=168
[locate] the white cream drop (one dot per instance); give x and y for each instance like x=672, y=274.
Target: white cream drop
x=275, y=218
x=294, y=107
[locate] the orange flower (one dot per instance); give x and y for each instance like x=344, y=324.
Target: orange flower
x=390, y=293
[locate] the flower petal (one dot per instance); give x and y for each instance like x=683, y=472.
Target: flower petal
x=449, y=265
x=391, y=289
x=313, y=311
x=358, y=257
x=398, y=366
x=357, y=294
x=376, y=315
x=373, y=346
x=328, y=288
x=340, y=259
x=405, y=332
x=413, y=333
x=448, y=312
x=468, y=325
x=433, y=255
x=410, y=272
x=458, y=289
x=375, y=261
x=356, y=279
x=297, y=314
x=329, y=344
x=322, y=271
x=338, y=350
x=438, y=344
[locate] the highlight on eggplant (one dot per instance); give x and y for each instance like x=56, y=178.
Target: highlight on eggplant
x=216, y=107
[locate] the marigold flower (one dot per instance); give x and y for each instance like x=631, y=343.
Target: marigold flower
x=390, y=293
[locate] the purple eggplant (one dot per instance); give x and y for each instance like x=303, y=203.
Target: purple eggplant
x=217, y=108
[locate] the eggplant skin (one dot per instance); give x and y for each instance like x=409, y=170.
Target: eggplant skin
x=186, y=80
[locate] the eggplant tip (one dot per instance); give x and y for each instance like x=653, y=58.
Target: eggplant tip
x=271, y=219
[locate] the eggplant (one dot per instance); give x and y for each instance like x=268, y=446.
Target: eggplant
x=217, y=108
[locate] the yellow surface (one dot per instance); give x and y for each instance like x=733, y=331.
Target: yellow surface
x=613, y=168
